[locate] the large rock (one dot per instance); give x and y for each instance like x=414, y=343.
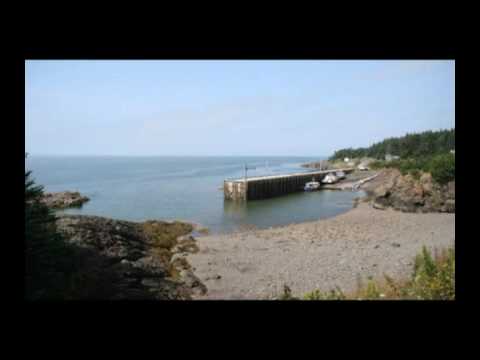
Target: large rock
x=410, y=194
x=426, y=183
x=65, y=199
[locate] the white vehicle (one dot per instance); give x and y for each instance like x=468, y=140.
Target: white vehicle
x=311, y=186
x=362, y=167
x=330, y=178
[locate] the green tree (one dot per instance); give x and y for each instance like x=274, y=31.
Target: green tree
x=425, y=144
x=48, y=259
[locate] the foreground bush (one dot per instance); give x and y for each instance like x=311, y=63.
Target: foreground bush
x=442, y=168
x=433, y=278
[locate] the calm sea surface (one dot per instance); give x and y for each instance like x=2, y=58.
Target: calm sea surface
x=184, y=188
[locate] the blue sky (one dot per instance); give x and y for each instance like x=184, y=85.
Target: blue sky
x=297, y=108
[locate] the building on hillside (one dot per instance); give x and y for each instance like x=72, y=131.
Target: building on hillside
x=389, y=157
x=346, y=160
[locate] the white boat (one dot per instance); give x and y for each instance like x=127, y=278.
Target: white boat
x=311, y=186
x=340, y=174
x=330, y=178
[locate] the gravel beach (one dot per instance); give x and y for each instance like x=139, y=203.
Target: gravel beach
x=361, y=243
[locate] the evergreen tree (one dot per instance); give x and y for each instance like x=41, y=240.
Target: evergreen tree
x=48, y=265
x=426, y=144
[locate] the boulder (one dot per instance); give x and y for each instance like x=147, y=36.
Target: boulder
x=378, y=205
x=408, y=194
x=381, y=191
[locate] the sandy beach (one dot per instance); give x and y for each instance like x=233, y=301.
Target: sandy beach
x=363, y=242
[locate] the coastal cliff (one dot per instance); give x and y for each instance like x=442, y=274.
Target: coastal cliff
x=410, y=194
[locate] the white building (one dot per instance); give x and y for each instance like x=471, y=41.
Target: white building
x=346, y=160
x=389, y=157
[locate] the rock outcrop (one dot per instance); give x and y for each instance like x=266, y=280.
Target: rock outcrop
x=409, y=194
x=64, y=199
x=129, y=260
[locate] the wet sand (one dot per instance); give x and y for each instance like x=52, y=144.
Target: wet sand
x=363, y=242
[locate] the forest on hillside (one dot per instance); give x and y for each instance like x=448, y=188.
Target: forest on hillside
x=415, y=145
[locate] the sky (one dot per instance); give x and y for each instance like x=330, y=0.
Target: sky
x=230, y=108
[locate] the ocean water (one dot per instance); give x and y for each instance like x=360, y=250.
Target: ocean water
x=183, y=188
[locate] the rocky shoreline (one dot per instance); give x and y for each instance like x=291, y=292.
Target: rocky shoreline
x=388, y=188
x=129, y=260
x=160, y=260
x=64, y=199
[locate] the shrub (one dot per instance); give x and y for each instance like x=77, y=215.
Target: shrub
x=433, y=278
x=335, y=294
x=442, y=168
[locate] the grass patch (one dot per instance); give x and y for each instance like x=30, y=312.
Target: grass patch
x=164, y=235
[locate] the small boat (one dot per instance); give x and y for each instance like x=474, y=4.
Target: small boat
x=330, y=178
x=312, y=186
x=340, y=174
